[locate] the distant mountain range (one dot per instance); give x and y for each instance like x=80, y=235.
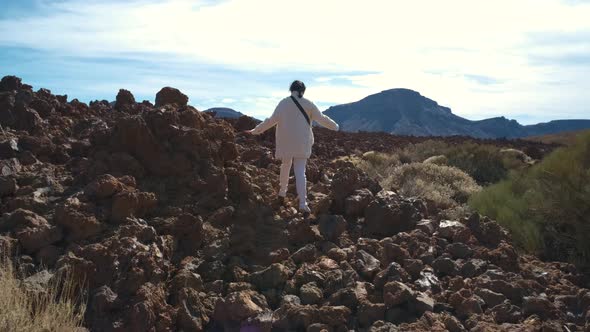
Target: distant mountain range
x=224, y=112
x=406, y=112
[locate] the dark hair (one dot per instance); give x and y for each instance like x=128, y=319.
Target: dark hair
x=298, y=86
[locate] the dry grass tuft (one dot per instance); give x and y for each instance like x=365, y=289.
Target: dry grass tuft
x=58, y=306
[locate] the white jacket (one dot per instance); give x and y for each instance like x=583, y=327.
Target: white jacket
x=294, y=136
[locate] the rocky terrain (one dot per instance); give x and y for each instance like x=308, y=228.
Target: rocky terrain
x=406, y=112
x=168, y=215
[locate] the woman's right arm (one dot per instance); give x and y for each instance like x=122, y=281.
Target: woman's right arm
x=267, y=124
x=322, y=119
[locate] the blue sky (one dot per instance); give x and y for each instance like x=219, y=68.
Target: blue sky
x=526, y=59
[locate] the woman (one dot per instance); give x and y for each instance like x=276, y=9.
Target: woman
x=293, y=117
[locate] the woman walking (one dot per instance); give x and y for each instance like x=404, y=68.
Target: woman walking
x=293, y=117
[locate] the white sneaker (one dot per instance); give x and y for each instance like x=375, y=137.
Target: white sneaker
x=304, y=208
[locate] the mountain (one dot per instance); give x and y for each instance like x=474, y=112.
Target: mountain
x=557, y=126
x=224, y=112
x=407, y=112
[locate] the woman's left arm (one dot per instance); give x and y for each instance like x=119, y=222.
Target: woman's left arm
x=322, y=119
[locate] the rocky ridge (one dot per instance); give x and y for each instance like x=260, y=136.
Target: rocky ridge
x=407, y=112
x=168, y=215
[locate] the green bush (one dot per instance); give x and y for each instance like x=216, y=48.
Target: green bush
x=483, y=162
x=546, y=207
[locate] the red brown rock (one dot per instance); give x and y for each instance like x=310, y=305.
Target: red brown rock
x=170, y=95
x=31, y=230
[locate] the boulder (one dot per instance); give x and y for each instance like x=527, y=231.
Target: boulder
x=9, y=83
x=132, y=135
x=448, y=228
x=76, y=218
x=490, y=298
x=506, y=313
x=307, y=253
x=368, y=313
x=445, y=266
x=332, y=226
x=131, y=204
x=537, y=305
x=103, y=187
x=459, y=250
x=346, y=181
x=31, y=230
x=421, y=303
x=124, y=100
x=168, y=95
x=188, y=231
x=337, y=254
x=320, y=203
x=9, y=148
x=310, y=293
x=301, y=232
x=366, y=265
x=297, y=317
x=334, y=315
x=487, y=231
x=473, y=267
x=104, y=300
x=8, y=186
x=388, y=214
x=396, y=293
x=428, y=281
x=393, y=252
x=393, y=272
x=273, y=276
x=414, y=267
x=355, y=204
x=238, y=306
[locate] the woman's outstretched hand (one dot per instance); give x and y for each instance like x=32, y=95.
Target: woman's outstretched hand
x=248, y=132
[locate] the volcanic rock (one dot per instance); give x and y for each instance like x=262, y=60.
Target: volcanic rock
x=9, y=83
x=272, y=277
x=31, y=230
x=77, y=218
x=310, y=293
x=331, y=227
x=170, y=95
x=388, y=215
x=124, y=100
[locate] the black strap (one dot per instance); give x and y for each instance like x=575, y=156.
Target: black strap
x=302, y=110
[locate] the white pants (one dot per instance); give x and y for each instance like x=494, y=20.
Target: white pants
x=300, y=180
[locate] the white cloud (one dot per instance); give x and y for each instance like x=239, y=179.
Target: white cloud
x=430, y=46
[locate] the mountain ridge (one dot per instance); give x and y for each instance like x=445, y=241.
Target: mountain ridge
x=224, y=112
x=404, y=111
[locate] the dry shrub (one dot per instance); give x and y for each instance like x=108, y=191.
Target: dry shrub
x=444, y=186
x=377, y=165
x=58, y=307
x=439, y=160
x=483, y=162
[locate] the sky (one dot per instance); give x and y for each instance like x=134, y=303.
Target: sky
x=527, y=60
